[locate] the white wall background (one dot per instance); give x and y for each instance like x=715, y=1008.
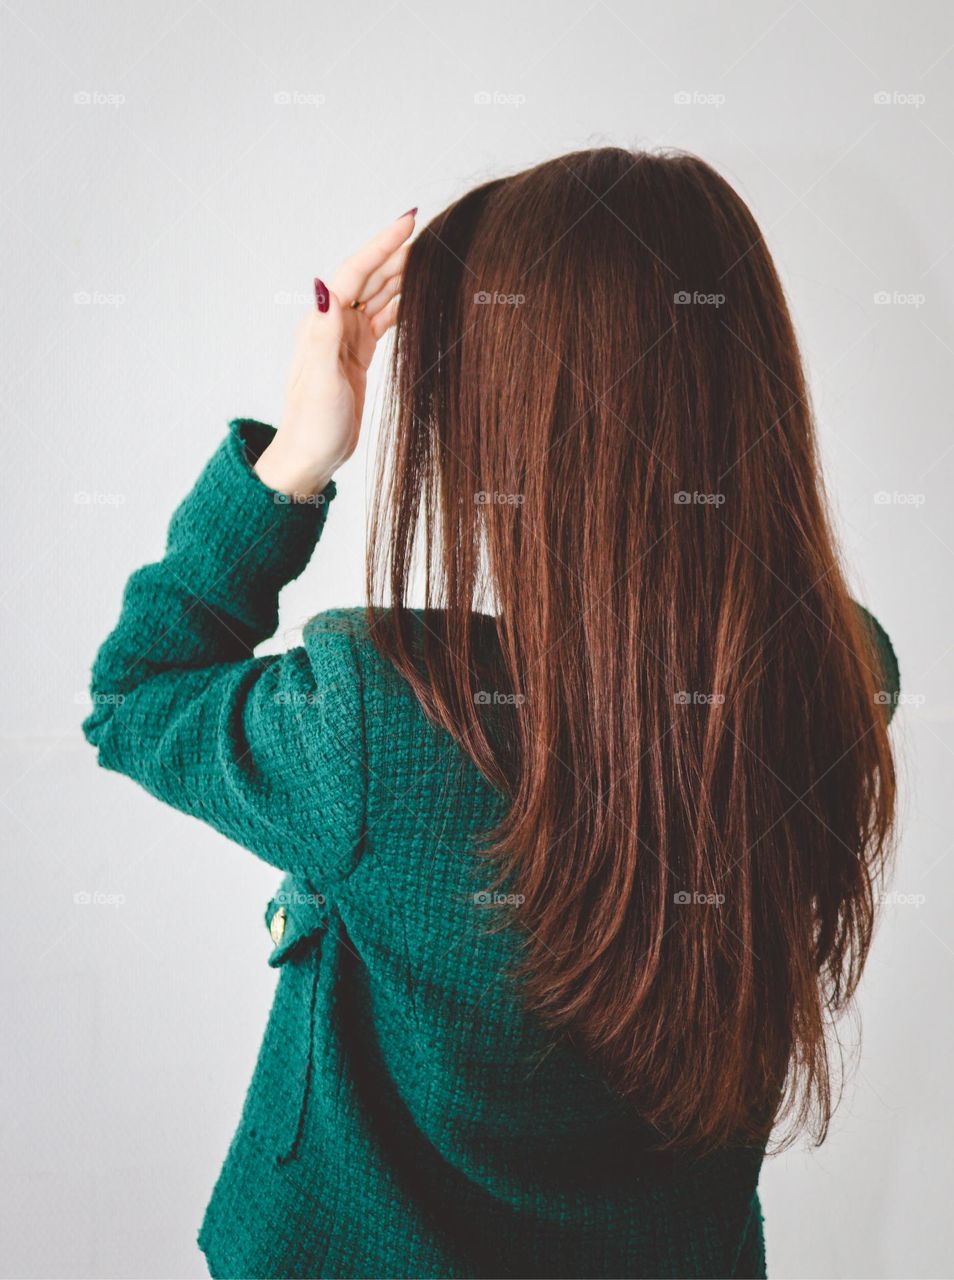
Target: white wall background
x=192, y=205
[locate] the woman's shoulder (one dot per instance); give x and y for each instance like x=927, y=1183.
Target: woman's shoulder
x=890, y=670
x=340, y=638
x=339, y=646
x=343, y=654
x=350, y=622
x=351, y=626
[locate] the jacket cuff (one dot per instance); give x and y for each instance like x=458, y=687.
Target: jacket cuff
x=250, y=533
x=249, y=440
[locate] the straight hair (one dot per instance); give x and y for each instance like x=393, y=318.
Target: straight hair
x=599, y=423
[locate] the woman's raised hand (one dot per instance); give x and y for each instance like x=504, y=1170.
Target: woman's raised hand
x=324, y=400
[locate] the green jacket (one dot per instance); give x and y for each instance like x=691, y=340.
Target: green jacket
x=406, y=1116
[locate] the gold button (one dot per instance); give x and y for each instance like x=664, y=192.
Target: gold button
x=277, y=927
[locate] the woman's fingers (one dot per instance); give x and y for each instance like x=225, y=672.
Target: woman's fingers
x=352, y=277
x=380, y=300
x=327, y=380
x=373, y=274
x=321, y=330
x=384, y=319
x=377, y=280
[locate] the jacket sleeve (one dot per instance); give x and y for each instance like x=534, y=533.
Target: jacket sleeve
x=265, y=749
x=888, y=668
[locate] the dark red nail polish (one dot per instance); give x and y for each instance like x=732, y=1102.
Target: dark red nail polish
x=322, y=300
x=412, y=212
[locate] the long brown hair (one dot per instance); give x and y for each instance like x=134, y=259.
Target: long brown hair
x=602, y=428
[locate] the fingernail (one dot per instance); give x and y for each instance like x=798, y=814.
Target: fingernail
x=412, y=212
x=321, y=295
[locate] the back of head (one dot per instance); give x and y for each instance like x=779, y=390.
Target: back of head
x=601, y=426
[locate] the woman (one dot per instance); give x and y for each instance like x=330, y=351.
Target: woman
x=581, y=858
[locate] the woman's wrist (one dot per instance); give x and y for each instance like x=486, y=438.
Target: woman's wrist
x=287, y=470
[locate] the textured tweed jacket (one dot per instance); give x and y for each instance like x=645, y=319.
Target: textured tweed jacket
x=406, y=1116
